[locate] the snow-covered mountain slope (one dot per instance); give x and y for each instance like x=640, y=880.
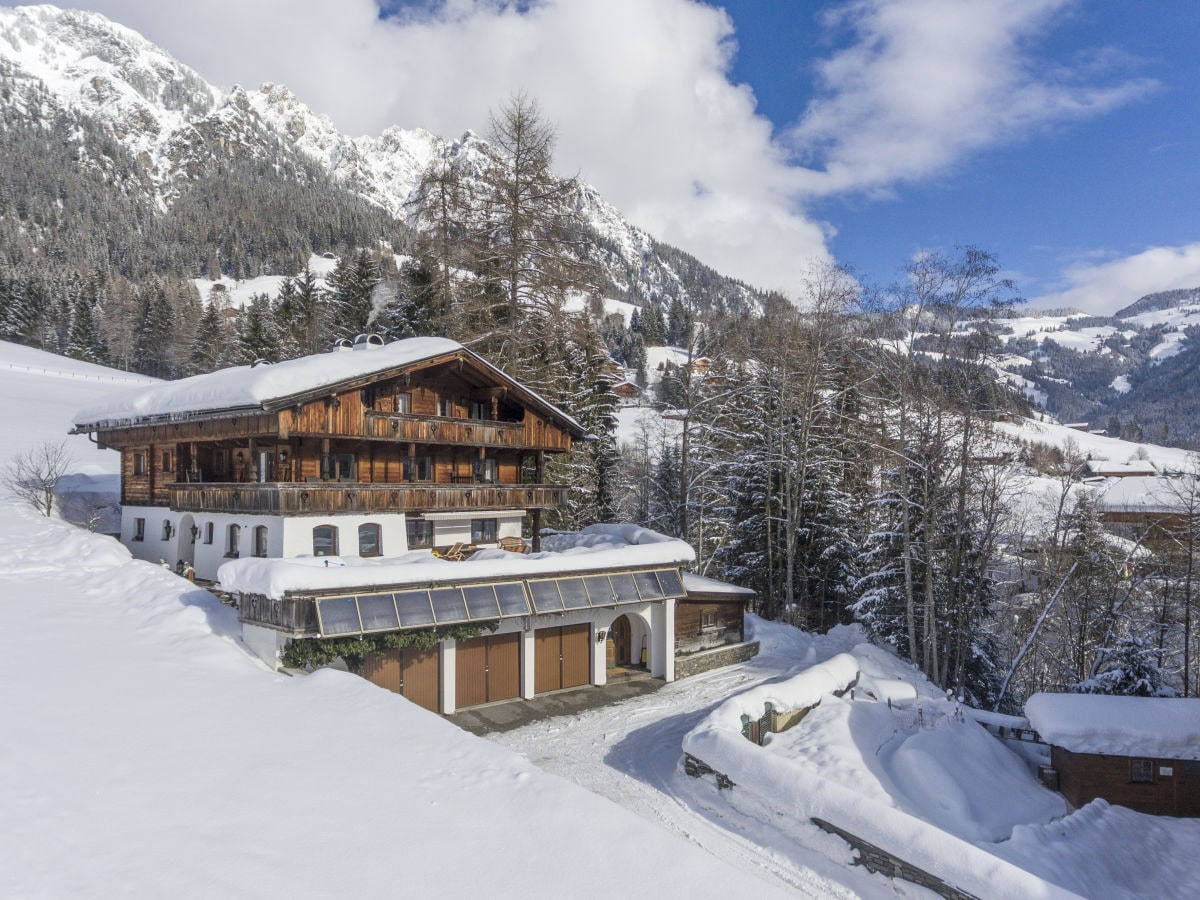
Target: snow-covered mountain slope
x=176, y=125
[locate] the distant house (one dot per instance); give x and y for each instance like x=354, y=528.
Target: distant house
x=628, y=391
x=1139, y=752
x=1105, y=469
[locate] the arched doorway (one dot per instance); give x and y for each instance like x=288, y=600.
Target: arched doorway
x=620, y=642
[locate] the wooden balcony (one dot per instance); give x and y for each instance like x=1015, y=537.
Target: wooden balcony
x=467, y=432
x=328, y=497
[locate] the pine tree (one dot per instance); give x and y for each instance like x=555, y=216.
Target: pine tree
x=210, y=345
x=256, y=335
x=352, y=286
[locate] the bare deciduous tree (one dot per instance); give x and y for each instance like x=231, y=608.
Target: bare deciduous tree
x=33, y=476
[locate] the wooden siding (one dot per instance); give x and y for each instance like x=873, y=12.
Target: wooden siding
x=326, y=498
x=690, y=633
x=532, y=434
x=1082, y=777
x=297, y=616
x=227, y=427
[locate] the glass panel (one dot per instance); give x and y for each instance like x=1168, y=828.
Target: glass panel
x=545, y=596
x=512, y=599
x=481, y=601
x=339, y=615
x=448, y=605
x=598, y=590
x=368, y=540
x=624, y=588
x=647, y=585
x=378, y=612
x=672, y=584
x=573, y=593
x=414, y=608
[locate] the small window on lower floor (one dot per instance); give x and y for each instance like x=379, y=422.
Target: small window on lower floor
x=325, y=540
x=209, y=528
x=139, y=529
x=1141, y=771
x=369, y=541
x=708, y=619
x=420, y=534
x=483, y=531
x=260, y=540
x=234, y=542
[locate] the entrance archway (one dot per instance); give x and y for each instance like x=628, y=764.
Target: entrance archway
x=620, y=642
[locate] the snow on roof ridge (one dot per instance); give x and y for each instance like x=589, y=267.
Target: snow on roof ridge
x=250, y=387
x=1160, y=727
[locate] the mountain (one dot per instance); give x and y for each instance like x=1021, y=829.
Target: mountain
x=147, y=137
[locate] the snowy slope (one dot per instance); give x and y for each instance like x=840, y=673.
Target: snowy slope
x=146, y=753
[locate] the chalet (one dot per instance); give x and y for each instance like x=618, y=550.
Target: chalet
x=629, y=392
x=370, y=451
x=382, y=489
x=1139, y=752
x=711, y=614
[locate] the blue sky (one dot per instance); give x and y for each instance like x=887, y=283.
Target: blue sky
x=766, y=136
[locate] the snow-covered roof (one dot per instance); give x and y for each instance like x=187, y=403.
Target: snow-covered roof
x=700, y=584
x=595, y=547
x=253, y=387
x=1121, y=726
x=1159, y=494
x=1104, y=467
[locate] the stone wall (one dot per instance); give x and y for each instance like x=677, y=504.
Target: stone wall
x=695, y=663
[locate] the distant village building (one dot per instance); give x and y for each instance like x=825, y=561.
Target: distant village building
x=1139, y=752
x=629, y=392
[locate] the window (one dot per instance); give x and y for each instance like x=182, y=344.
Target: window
x=325, y=540
x=139, y=529
x=404, y=403
x=167, y=463
x=233, y=543
x=370, y=543
x=420, y=534
x=260, y=540
x=483, y=531
x=485, y=470
x=345, y=466
x=479, y=409
x=418, y=468
x=443, y=408
x=708, y=619
x=139, y=464
x=1141, y=771
x=208, y=532
x=167, y=530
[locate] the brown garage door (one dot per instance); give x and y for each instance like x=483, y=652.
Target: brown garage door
x=487, y=669
x=562, y=657
x=413, y=673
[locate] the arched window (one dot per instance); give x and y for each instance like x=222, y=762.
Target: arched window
x=370, y=541
x=232, y=548
x=325, y=540
x=260, y=540
x=208, y=533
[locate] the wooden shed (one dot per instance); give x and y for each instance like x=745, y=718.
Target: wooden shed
x=1139, y=752
x=712, y=614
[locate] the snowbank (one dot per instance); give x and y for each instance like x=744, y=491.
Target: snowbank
x=1123, y=726
x=936, y=774
x=595, y=547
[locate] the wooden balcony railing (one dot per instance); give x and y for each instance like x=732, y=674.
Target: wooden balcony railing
x=471, y=432
x=323, y=498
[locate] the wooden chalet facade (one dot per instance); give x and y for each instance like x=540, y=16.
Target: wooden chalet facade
x=1142, y=753
x=414, y=444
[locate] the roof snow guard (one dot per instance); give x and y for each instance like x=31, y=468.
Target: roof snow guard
x=369, y=613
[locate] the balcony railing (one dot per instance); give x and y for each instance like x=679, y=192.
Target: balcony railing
x=470, y=432
x=321, y=498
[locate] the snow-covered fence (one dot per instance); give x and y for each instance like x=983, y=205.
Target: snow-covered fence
x=131, y=380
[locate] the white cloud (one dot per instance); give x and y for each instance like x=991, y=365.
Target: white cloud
x=641, y=94
x=1103, y=288
x=927, y=82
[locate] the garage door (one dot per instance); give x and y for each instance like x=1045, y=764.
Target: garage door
x=562, y=657
x=412, y=673
x=487, y=669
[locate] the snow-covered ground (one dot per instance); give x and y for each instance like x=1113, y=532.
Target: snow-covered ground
x=147, y=752
x=237, y=293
